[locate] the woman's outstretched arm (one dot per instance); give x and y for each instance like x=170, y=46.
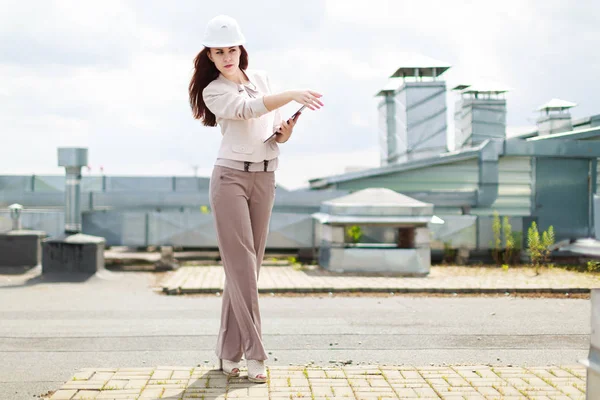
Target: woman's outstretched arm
x=310, y=98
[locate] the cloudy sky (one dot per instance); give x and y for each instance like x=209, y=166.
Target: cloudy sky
x=112, y=75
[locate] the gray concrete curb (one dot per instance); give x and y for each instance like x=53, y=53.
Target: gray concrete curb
x=180, y=291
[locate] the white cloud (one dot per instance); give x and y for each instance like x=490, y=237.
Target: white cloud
x=114, y=74
x=31, y=144
x=359, y=119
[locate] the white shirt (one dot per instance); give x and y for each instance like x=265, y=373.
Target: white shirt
x=243, y=117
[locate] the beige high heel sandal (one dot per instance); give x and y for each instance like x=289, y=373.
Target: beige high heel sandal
x=255, y=368
x=229, y=367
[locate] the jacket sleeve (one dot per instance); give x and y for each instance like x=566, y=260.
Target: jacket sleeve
x=277, y=120
x=229, y=105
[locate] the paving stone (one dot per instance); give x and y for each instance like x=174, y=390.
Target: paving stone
x=136, y=384
x=451, y=390
x=83, y=375
x=172, y=387
x=149, y=393
x=144, y=370
x=507, y=391
x=174, y=368
x=180, y=375
x=342, y=391
x=162, y=374
x=86, y=395
x=237, y=395
x=193, y=279
x=102, y=376
x=99, y=369
x=278, y=382
x=89, y=385
x=255, y=391
x=411, y=375
x=167, y=381
x=290, y=390
x=121, y=396
x=446, y=383
x=425, y=392
x=197, y=383
x=127, y=378
x=123, y=391
x=115, y=384
x=207, y=392
x=371, y=397
x=437, y=382
x=63, y=394
x=488, y=391
x=172, y=394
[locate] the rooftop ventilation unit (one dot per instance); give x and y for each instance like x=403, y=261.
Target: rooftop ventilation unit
x=479, y=114
x=555, y=117
x=412, y=113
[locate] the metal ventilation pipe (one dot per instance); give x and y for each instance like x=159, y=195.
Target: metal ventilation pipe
x=15, y=215
x=72, y=159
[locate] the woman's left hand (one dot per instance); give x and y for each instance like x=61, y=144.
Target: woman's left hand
x=285, y=131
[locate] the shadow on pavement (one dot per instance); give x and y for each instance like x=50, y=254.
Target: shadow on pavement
x=213, y=384
x=19, y=277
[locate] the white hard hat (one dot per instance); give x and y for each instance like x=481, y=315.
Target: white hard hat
x=223, y=31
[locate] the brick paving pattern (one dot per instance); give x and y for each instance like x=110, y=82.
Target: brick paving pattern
x=209, y=279
x=474, y=382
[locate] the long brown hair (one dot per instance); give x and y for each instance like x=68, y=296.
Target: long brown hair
x=205, y=72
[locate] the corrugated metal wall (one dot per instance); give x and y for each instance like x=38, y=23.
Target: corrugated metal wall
x=56, y=183
x=597, y=175
x=460, y=175
x=189, y=229
x=50, y=221
x=420, y=119
x=514, y=188
x=479, y=120
x=131, y=224
x=382, y=128
x=515, y=180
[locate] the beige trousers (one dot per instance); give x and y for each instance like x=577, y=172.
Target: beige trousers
x=241, y=204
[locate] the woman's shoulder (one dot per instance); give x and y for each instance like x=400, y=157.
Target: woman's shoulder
x=219, y=85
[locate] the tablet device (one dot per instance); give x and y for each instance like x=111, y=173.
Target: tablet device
x=292, y=117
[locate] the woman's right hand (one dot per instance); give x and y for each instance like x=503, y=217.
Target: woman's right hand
x=308, y=98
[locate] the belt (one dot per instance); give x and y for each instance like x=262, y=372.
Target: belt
x=247, y=165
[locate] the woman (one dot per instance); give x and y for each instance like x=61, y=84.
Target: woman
x=242, y=186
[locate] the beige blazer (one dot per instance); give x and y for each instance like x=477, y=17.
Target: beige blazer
x=243, y=117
